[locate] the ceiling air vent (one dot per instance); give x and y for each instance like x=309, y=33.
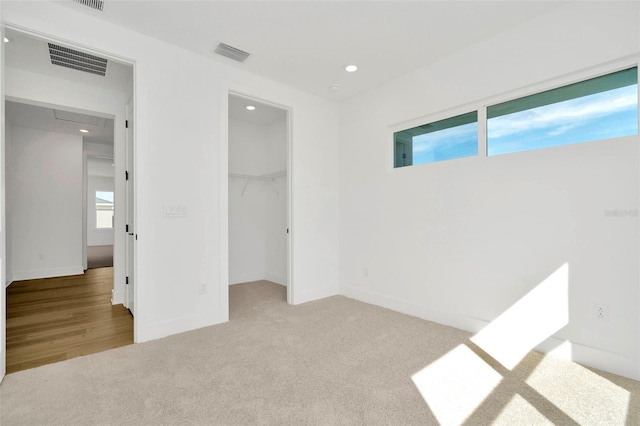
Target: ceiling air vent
x=231, y=52
x=76, y=60
x=74, y=117
x=93, y=4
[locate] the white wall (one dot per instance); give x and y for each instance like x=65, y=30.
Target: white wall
x=44, y=183
x=276, y=203
x=257, y=213
x=181, y=159
x=247, y=218
x=459, y=242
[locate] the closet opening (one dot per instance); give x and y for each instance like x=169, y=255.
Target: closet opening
x=259, y=232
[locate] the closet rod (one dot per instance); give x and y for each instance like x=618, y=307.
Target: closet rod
x=267, y=177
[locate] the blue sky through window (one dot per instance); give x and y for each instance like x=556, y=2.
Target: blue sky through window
x=102, y=196
x=446, y=144
x=609, y=114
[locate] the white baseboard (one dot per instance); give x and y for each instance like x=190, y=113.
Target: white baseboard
x=278, y=279
x=591, y=357
x=581, y=354
x=240, y=279
x=148, y=332
x=117, y=297
x=320, y=293
x=48, y=273
x=428, y=313
x=251, y=278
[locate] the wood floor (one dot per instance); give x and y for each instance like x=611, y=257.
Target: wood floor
x=53, y=319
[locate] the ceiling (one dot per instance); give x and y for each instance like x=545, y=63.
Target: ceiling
x=31, y=53
x=307, y=44
x=59, y=121
x=264, y=114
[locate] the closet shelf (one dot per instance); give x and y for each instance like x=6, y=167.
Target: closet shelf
x=270, y=177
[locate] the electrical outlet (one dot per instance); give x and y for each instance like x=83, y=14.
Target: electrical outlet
x=602, y=312
x=203, y=288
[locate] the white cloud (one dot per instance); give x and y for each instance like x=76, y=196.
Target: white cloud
x=564, y=116
x=444, y=138
x=562, y=129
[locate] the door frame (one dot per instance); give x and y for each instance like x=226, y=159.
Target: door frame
x=131, y=236
x=79, y=46
x=3, y=239
x=86, y=155
x=224, y=194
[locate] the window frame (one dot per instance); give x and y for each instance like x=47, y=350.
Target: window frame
x=482, y=104
x=95, y=210
x=420, y=121
x=556, y=87
x=470, y=117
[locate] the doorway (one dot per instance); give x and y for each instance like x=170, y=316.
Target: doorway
x=100, y=181
x=89, y=96
x=259, y=199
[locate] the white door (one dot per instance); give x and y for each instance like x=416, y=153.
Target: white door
x=130, y=228
x=3, y=313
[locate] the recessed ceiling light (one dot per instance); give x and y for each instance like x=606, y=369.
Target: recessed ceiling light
x=84, y=131
x=250, y=107
x=6, y=40
x=334, y=87
x=351, y=68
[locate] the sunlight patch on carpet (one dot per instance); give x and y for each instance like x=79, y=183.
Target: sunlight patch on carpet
x=528, y=322
x=583, y=394
x=519, y=408
x=456, y=384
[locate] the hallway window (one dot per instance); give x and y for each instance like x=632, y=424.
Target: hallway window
x=104, y=209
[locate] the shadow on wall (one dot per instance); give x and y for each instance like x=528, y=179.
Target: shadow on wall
x=495, y=377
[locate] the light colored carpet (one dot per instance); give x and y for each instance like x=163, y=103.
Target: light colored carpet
x=333, y=361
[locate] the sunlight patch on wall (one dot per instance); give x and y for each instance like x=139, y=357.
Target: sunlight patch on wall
x=576, y=399
x=456, y=384
x=528, y=322
x=563, y=351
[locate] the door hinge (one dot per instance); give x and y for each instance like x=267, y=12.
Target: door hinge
x=126, y=228
x=126, y=124
x=126, y=175
x=287, y=230
x=126, y=280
